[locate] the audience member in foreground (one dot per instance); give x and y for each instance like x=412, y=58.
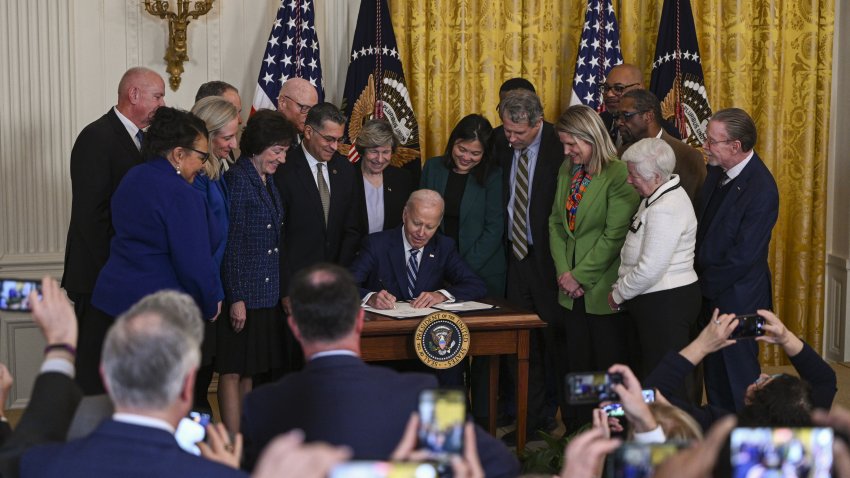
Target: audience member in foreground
x=338, y=398
x=55, y=395
x=149, y=360
x=778, y=400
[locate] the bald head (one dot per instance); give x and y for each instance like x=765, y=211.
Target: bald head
x=296, y=98
x=620, y=79
x=140, y=92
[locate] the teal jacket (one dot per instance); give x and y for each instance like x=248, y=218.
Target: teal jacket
x=592, y=251
x=482, y=223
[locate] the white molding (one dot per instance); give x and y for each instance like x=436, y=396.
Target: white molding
x=837, y=309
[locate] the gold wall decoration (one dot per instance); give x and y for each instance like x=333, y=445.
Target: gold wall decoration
x=175, y=53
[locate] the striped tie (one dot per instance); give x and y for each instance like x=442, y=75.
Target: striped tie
x=140, y=135
x=519, y=229
x=412, y=270
x=324, y=193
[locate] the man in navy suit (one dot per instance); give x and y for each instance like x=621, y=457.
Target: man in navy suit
x=149, y=360
x=338, y=398
x=412, y=263
x=738, y=209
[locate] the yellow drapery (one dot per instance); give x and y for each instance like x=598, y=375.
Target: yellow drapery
x=772, y=58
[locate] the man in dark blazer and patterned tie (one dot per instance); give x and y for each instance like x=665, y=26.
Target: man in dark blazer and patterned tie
x=338, y=398
x=531, y=276
x=738, y=209
x=103, y=152
x=318, y=190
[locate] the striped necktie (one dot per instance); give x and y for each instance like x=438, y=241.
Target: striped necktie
x=412, y=270
x=520, y=209
x=140, y=135
x=324, y=193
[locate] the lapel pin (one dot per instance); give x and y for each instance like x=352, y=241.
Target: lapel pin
x=333, y=171
x=431, y=256
x=390, y=189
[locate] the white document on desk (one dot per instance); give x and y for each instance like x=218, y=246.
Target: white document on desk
x=402, y=310
x=468, y=306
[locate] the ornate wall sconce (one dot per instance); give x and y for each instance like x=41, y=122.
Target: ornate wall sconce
x=175, y=53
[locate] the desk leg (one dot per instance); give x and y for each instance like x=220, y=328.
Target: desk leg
x=522, y=352
x=494, y=392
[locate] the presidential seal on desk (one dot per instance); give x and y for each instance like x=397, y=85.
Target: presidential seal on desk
x=441, y=340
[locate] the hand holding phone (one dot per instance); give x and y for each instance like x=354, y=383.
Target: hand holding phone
x=442, y=414
x=749, y=326
x=591, y=387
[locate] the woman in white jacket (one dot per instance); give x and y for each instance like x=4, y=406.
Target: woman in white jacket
x=657, y=282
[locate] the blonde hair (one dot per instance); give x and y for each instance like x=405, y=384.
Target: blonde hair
x=675, y=422
x=216, y=112
x=584, y=124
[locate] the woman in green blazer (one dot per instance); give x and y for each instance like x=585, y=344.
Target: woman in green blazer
x=587, y=228
x=471, y=185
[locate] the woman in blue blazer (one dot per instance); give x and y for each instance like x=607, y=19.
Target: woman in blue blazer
x=164, y=235
x=222, y=122
x=471, y=185
x=251, y=341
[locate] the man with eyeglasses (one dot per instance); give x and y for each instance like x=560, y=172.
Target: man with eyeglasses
x=638, y=118
x=296, y=98
x=317, y=188
x=620, y=80
x=739, y=204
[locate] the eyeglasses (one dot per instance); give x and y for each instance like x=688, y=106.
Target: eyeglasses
x=303, y=109
x=328, y=138
x=617, y=88
x=204, y=156
x=626, y=115
x=712, y=142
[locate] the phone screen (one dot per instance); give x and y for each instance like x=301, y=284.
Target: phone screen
x=383, y=469
x=616, y=409
x=14, y=294
x=638, y=460
x=749, y=326
x=192, y=430
x=591, y=387
x=442, y=414
x=798, y=452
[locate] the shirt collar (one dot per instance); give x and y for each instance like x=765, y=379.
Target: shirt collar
x=333, y=353
x=407, y=245
x=129, y=125
x=143, y=421
x=660, y=132
x=735, y=170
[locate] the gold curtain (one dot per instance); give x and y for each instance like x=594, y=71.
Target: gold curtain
x=772, y=58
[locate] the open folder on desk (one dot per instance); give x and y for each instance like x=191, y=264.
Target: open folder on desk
x=402, y=310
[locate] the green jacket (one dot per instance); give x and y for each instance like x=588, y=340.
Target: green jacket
x=592, y=251
x=482, y=223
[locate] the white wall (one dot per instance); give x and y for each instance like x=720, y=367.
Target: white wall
x=837, y=307
x=62, y=61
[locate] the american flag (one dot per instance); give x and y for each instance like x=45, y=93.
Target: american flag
x=291, y=51
x=598, y=52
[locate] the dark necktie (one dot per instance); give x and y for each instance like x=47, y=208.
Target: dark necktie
x=724, y=180
x=324, y=192
x=520, y=209
x=412, y=270
x=140, y=135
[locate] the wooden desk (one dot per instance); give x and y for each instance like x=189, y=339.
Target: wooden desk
x=502, y=331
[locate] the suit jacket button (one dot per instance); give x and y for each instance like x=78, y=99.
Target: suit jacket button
x=267, y=279
x=270, y=252
x=269, y=226
x=275, y=250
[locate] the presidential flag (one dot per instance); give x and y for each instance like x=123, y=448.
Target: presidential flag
x=375, y=86
x=677, y=78
x=291, y=51
x=598, y=52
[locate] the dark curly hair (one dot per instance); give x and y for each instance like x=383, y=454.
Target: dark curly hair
x=171, y=128
x=264, y=129
x=784, y=402
x=472, y=127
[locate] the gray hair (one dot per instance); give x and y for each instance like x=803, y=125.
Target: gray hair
x=521, y=106
x=426, y=197
x=651, y=156
x=374, y=134
x=151, y=349
x=739, y=126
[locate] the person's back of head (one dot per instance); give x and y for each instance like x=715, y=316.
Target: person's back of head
x=786, y=401
x=170, y=128
x=213, y=88
x=150, y=350
x=512, y=84
x=325, y=302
